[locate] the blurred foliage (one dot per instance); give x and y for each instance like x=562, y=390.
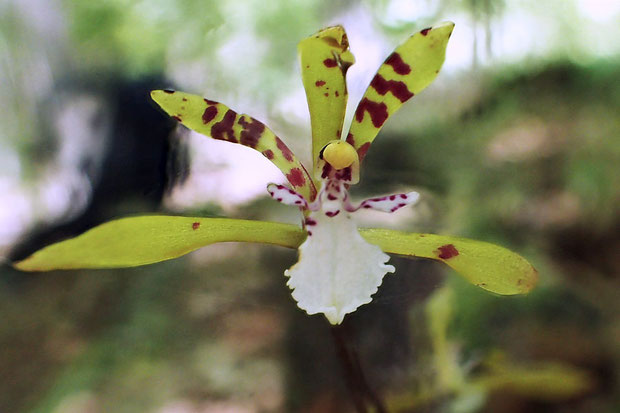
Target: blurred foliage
x=524, y=155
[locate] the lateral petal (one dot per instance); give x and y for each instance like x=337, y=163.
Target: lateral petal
x=134, y=241
x=218, y=121
x=486, y=265
x=405, y=73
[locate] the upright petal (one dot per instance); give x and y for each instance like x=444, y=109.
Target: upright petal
x=325, y=58
x=220, y=122
x=406, y=72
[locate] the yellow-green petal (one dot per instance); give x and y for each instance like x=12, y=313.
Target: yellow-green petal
x=325, y=58
x=218, y=121
x=488, y=266
x=405, y=73
x=134, y=241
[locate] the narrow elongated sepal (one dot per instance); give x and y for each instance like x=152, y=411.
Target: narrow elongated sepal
x=405, y=73
x=488, y=266
x=134, y=241
x=218, y=121
x=325, y=58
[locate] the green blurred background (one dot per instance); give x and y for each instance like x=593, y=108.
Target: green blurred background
x=517, y=142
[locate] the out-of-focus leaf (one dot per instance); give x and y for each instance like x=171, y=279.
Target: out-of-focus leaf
x=325, y=58
x=439, y=314
x=218, y=121
x=406, y=72
x=548, y=381
x=134, y=241
x=488, y=266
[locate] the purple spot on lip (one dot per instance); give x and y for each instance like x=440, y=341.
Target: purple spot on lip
x=332, y=214
x=403, y=196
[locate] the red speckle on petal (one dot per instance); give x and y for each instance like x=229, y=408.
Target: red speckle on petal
x=195, y=225
x=319, y=83
x=377, y=111
x=424, y=32
x=361, y=152
x=223, y=130
x=210, y=102
x=286, y=152
x=336, y=93
x=177, y=118
x=399, y=89
x=268, y=154
x=326, y=94
x=397, y=64
x=296, y=177
x=327, y=168
x=446, y=252
x=252, y=131
x=344, y=174
x=209, y=114
x=310, y=221
x=330, y=62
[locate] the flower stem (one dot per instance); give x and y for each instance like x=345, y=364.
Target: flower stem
x=356, y=381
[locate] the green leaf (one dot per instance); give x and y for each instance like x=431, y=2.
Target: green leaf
x=134, y=241
x=545, y=380
x=325, y=59
x=405, y=73
x=488, y=266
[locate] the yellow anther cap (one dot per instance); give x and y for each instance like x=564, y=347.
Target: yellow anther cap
x=339, y=154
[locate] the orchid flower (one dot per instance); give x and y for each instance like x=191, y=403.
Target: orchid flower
x=340, y=266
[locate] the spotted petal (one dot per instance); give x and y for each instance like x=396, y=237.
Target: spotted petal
x=220, y=122
x=488, y=266
x=406, y=72
x=130, y=242
x=325, y=58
